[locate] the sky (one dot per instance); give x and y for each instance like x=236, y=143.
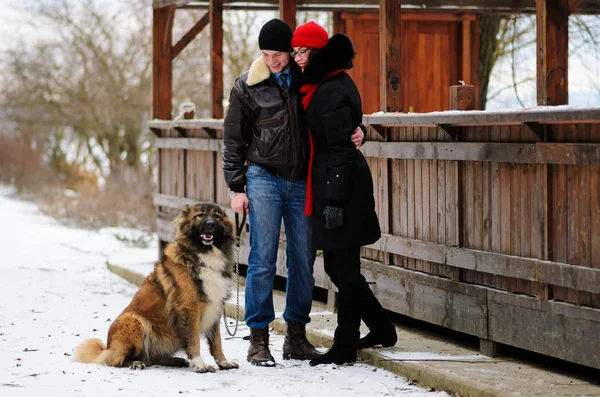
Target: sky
x=55, y=291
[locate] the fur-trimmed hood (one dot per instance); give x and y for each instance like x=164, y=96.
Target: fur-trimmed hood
x=337, y=54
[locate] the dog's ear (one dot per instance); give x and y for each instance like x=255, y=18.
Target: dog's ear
x=185, y=211
x=181, y=217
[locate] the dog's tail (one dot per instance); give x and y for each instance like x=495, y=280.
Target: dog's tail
x=94, y=351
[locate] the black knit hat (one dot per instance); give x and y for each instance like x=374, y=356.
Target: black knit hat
x=275, y=35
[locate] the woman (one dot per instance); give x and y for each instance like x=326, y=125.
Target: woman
x=342, y=204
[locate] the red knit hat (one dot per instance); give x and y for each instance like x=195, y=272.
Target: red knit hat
x=311, y=35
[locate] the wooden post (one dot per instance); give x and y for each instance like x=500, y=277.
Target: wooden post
x=287, y=12
x=162, y=70
x=462, y=97
x=162, y=79
x=331, y=301
x=552, y=52
x=338, y=22
x=216, y=57
x=466, y=53
x=390, y=96
x=488, y=347
x=552, y=21
x=390, y=40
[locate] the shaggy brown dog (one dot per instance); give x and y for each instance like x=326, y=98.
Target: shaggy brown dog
x=182, y=298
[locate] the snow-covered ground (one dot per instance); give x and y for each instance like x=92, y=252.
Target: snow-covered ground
x=55, y=291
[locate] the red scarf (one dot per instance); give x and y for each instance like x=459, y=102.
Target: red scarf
x=308, y=90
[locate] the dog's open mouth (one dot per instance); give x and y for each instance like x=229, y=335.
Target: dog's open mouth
x=207, y=239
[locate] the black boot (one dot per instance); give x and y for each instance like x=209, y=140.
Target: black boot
x=338, y=354
x=385, y=337
x=258, y=353
x=381, y=330
x=296, y=345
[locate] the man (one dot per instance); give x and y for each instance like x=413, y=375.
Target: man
x=264, y=128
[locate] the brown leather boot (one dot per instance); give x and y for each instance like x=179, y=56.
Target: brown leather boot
x=296, y=345
x=258, y=352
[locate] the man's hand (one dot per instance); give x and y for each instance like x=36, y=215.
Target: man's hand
x=240, y=203
x=357, y=137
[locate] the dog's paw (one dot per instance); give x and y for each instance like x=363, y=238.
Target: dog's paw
x=201, y=367
x=137, y=365
x=226, y=364
x=206, y=368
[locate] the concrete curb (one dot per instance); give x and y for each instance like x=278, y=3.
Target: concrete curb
x=421, y=374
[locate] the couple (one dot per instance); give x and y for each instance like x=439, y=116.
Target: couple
x=290, y=152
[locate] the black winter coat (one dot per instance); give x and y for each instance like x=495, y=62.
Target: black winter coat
x=340, y=174
x=264, y=125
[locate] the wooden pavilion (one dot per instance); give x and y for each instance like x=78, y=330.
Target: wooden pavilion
x=490, y=220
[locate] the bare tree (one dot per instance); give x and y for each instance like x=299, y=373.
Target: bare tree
x=82, y=93
x=507, y=56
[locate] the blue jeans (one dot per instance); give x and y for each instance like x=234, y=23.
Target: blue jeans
x=271, y=199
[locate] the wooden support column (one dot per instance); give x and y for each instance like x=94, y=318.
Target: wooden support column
x=461, y=97
x=162, y=71
x=390, y=97
x=216, y=57
x=552, y=20
x=466, y=54
x=552, y=52
x=338, y=22
x=287, y=12
x=162, y=80
x=390, y=40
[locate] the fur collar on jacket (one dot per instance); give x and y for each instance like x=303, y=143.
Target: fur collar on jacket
x=259, y=72
x=337, y=54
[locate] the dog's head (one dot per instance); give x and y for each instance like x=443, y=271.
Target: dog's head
x=202, y=226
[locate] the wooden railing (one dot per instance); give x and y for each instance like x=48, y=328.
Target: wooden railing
x=490, y=220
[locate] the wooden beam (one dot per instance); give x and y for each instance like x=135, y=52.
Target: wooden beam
x=552, y=21
x=202, y=144
x=190, y=35
x=505, y=7
x=216, y=57
x=162, y=72
x=287, y=12
x=562, y=115
x=167, y=3
x=547, y=272
x=520, y=153
x=574, y=5
x=195, y=124
x=390, y=39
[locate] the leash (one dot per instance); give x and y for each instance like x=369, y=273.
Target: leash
x=239, y=228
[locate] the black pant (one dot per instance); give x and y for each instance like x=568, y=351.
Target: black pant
x=355, y=299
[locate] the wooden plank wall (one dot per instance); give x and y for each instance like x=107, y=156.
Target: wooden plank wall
x=538, y=211
x=575, y=215
x=503, y=207
x=424, y=199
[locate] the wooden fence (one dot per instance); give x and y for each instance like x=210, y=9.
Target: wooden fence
x=490, y=221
